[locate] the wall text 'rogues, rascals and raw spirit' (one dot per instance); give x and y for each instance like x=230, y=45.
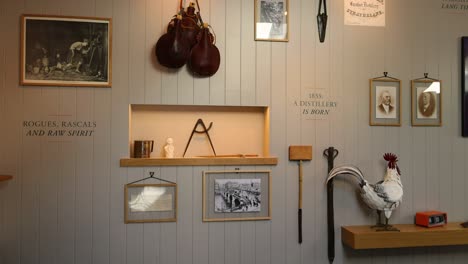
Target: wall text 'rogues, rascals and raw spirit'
x=53, y=128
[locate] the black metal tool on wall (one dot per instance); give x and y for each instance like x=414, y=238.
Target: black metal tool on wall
x=204, y=131
x=330, y=153
x=322, y=18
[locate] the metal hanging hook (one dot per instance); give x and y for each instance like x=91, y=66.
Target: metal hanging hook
x=151, y=173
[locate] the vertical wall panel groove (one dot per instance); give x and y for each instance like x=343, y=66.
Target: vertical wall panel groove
x=233, y=52
x=247, y=56
x=217, y=18
x=11, y=144
x=119, y=128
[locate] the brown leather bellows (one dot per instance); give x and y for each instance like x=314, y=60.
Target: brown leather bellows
x=187, y=40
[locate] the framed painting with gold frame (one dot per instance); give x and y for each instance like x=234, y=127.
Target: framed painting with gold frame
x=426, y=102
x=66, y=51
x=236, y=195
x=385, y=101
x=146, y=203
x=271, y=20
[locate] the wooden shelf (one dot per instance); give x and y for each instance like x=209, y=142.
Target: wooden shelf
x=132, y=162
x=5, y=177
x=363, y=237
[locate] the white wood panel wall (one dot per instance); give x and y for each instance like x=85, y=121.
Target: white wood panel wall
x=65, y=204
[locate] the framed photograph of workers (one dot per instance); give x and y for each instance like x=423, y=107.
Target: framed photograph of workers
x=271, y=20
x=464, y=86
x=426, y=102
x=66, y=51
x=146, y=203
x=236, y=195
x=385, y=102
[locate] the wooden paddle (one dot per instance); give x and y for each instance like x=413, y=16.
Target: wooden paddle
x=300, y=153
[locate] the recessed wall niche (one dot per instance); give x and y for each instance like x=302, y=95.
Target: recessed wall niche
x=240, y=134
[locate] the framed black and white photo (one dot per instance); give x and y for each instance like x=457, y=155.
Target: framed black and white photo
x=66, y=51
x=426, y=102
x=146, y=203
x=236, y=195
x=385, y=102
x=271, y=20
x=464, y=86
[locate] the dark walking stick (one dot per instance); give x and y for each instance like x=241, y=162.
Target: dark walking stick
x=331, y=153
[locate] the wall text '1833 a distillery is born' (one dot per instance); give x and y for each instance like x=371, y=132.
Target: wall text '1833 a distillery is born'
x=316, y=104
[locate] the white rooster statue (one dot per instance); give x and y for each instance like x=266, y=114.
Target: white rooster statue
x=386, y=195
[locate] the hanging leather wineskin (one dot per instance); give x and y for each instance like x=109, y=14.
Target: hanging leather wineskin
x=171, y=25
x=190, y=27
x=204, y=58
x=172, y=49
x=189, y=24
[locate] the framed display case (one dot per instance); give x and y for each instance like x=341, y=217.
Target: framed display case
x=464, y=87
x=66, y=51
x=272, y=20
x=236, y=195
x=426, y=102
x=146, y=203
x=385, y=102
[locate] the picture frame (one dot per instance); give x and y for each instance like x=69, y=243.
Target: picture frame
x=464, y=86
x=236, y=195
x=426, y=102
x=65, y=51
x=147, y=203
x=271, y=20
x=385, y=101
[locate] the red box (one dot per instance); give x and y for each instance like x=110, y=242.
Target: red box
x=431, y=218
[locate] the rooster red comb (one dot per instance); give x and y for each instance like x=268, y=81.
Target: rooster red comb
x=390, y=157
x=392, y=160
